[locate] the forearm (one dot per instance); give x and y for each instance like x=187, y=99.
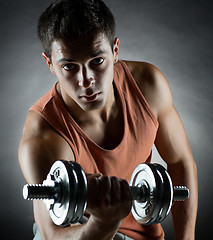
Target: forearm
x=90, y=230
x=96, y=230
x=184, y=213
x=87, y=231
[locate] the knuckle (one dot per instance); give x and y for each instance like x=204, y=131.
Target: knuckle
x=104, y=188
x=115, y=191
x=114, y=179
x=104, y=179
x=115, y=182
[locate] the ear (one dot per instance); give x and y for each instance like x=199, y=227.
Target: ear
x=116, y=49
x=48, y=61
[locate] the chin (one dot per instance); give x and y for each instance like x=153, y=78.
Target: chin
x=93, y=106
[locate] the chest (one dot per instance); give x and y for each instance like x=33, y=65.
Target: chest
x=107, y=135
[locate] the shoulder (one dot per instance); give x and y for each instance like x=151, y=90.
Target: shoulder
x=153, y=86
x=40, y=147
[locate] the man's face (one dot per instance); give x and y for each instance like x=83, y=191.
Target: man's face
x=84, y=68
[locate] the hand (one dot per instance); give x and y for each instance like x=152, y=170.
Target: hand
x=109, y=199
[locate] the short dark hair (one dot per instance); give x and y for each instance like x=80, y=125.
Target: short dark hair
x=74, y=18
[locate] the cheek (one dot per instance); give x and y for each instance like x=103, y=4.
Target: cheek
x=105, y=76
x=71, y=84
x=67, y=79
x=109, y=77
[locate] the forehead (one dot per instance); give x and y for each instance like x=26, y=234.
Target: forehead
x=80, y=47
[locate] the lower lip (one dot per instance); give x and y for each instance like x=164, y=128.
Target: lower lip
x=90, y=99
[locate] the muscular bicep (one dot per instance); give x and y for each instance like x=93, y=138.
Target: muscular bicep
x=35, y=158
x=171, y=141
x=39, y=148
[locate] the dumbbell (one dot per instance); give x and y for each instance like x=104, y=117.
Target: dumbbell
x=65, y=193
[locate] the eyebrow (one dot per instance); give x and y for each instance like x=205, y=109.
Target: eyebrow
x=91, y=56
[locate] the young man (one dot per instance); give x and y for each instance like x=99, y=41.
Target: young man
x=105, y=114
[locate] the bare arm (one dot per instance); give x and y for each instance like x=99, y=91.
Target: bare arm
x=40, y=147
x=172, y=144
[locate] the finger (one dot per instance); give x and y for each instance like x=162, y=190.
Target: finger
x=126, y=195
x=97, y=175
x=115, y=191
x=104, y=194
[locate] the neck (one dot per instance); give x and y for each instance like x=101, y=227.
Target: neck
x=84, y=117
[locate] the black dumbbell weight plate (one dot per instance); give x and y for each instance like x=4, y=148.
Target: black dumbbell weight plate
x=146, y=212
x=64, y=212
x=81, y=194
x=167, y=193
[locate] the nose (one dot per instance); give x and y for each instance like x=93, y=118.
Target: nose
x=87, y=82
x=87, y=78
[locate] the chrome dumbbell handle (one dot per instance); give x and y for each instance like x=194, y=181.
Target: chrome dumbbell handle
x=139, y=193
x=180, y=193
x=41, y=192
x=38, y=191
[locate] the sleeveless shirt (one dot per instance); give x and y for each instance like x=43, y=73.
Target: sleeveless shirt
x=135, y=147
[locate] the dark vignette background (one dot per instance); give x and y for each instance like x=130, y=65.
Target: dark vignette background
x=176, y=36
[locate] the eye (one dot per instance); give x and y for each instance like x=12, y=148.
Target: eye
x=98, y=61
x=68, y=67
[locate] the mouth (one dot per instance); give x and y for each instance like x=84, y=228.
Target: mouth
x=90, y=98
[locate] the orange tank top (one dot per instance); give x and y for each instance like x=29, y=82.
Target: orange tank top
x=140, y=127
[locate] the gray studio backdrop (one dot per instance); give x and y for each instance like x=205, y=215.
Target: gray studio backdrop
x=176, y=36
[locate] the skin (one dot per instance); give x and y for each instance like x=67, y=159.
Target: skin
x=83, y=68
